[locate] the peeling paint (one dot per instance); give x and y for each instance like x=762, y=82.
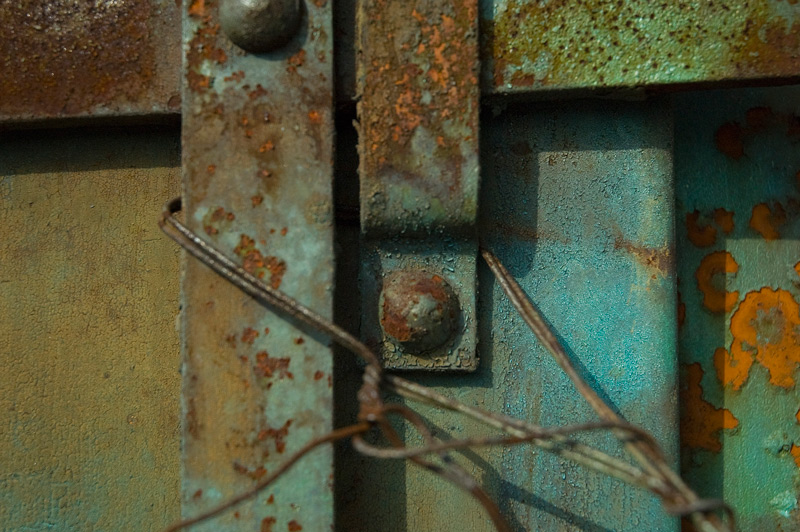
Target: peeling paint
x=716, y=297
x=701, y=422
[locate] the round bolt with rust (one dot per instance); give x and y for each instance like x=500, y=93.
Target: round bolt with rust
x=418, y=310
x=260, y=26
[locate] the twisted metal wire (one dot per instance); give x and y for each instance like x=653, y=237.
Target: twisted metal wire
x=652, y=473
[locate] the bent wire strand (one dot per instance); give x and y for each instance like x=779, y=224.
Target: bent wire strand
x=654, y=474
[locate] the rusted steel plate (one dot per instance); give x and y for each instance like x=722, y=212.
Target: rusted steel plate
x=70, y=59
x=737, y=164
x=418, y=147
x=532, y=46
x=89, y=297
x=418, y=116
x=258, y=168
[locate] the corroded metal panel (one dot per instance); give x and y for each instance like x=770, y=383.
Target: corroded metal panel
x=536, y=46
x=89, y=299
x=108, y=58
x=418, y=116
x=258, y=169
x=418, y=146
x=577, y=200
x=737, y=164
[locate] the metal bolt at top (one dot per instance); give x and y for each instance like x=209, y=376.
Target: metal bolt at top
x=260, y=26
x=418, y=310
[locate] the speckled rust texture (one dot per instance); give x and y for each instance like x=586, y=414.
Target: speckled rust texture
x=257, y=137
x=602, y=44
x=89, y=391
x=66, y=59
x=418, y=114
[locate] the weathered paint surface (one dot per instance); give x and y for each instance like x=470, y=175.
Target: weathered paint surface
x=737, y=163
x=258, y=173
x=577, y=200
x=89, y=391
x=418, y=116
x=610, y=44
x=418, y=148
x=69, y=59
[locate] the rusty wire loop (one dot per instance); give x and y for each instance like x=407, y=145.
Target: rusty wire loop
x=652, y=473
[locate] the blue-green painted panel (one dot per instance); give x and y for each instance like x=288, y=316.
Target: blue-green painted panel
x=577, y=203
x=737, y=166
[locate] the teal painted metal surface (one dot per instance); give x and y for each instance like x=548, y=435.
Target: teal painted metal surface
x=577, y=200
x=737, y=165
x=536, y=46
x=258, y=176
x=577, y=203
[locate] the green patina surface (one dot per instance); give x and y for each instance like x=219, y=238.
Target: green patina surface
x=553, y=45
x=257, y=183
x=737, y=166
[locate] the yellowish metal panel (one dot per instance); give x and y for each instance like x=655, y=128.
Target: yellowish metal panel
x=90, y=383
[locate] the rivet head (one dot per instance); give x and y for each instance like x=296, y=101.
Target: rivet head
x=418, y=310
x=260, y=26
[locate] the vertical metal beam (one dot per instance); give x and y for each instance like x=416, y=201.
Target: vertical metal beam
x=258, y=168
x=418, y=118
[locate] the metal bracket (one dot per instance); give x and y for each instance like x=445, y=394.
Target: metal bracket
x=418, y=120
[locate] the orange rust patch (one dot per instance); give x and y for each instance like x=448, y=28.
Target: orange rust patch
x=765, y=221
x=732, y=371
x=249, y=335
x=724, y=219
x=259, y=265
x=318, y=375
x=267, y=146
x=715, y=299
x=271, y=499
x=266, y=524
x=728, y=139
x=278, y=435
x=295, y=61
x=767, y=324
x=314, y=117
x=257, y=200
x=236, y=76
x=197, y=8
x=701, y=421
x=267, y=366
x=701, y=237
x=294, y=526
x=795, y=452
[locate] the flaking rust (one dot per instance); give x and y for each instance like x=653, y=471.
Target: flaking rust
x=418, y=115
x=257, y=169
x=67, y=59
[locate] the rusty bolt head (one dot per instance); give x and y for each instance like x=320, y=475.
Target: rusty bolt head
x=418, y=310
x=260, y=26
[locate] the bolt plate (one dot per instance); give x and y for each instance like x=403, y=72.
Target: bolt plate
x=454, y=261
